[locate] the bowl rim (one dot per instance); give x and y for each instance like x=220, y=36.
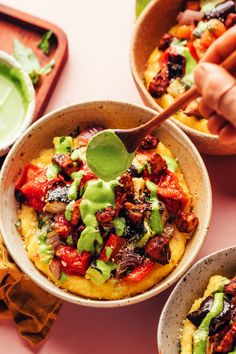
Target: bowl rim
x=181, y=282
x=132, y=59
x=156, y=289
x=30, y=109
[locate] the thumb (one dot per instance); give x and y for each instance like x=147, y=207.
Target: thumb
x=218, y=89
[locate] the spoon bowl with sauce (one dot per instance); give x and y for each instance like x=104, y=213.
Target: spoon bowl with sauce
x=17, y=101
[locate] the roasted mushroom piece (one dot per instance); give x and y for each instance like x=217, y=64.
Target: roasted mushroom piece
x=56, y=198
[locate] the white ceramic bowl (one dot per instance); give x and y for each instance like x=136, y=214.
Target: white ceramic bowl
x=110, y=115
x=11, y=62
x=189, y=288
x=158, y=17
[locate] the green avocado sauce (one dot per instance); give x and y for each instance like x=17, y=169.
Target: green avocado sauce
x=107, y=156
x=101, y=272
x=13, y=101
x=190, y=61
x=155, y=218
x=97, y=196
x=45, y=251
x=74, y=187
x=200, y=338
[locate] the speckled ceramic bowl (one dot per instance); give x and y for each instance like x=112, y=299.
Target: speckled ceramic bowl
x=191, y=287
x=156, y=19
x=28, y=92
x=110, y=115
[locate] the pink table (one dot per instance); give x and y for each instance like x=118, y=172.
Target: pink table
x=99, y=33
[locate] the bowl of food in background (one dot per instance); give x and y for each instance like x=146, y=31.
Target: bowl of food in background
x=170, y=38
x=17, y=101
x=97, y=243
x=199, y=316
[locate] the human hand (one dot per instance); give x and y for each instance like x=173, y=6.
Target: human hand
x=218, y=88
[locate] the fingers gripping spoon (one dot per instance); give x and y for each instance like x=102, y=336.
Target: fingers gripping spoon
x=111, y=151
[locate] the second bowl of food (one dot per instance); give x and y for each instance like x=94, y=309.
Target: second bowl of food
x=199, y=316
x=170, y=37
x=105, y=243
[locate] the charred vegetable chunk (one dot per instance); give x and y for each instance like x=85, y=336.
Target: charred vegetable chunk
x=158, y=249
x=176, y=65
x=149, y=142
x=135, y=212
x=62, y=226
x=165, y=41
x=157, y=164
x=159, y=84
x=65, y=163
x=230, y=288
x=186, y=221
x=106, y=216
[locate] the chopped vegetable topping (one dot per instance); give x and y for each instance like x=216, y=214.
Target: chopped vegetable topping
x=105, y=230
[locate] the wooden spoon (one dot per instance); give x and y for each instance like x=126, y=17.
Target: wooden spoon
x=132, y=137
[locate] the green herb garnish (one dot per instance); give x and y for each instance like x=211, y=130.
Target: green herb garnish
x=45, y=42
x=30, y=62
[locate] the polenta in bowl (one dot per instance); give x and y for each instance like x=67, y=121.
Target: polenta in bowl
x=169, y=69
x=101, y=243
x=105, y=240
x=170, y=38
x=199, y=316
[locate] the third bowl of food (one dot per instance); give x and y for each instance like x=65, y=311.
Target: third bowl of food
x=199, y=316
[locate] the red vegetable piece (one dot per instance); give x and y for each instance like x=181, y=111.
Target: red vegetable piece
x=87, y=177
x=72, y=262
x=171, y=193
x=32, y=184
x=83, y=138
x=230, y=21
x=115, y=243
x=193, y=51
x=140, y=272
x=62, y=227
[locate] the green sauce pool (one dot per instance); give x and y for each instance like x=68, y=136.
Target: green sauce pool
x=13, y=102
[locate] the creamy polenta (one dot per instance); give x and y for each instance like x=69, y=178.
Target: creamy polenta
x=61, y=243
x=169, y=69
x=211, y=323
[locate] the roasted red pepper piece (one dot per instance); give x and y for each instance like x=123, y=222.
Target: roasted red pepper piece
x=171, y=193
x=115, y=243
x=32, y=184
x=230, y=21
x=72, y=262
x=193, y=51
x=87, y=177
x=62, y=226
x=140, y=272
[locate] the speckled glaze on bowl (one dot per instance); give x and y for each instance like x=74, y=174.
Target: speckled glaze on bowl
x=11, y=62
x=158, y=17
x=189, y=288
x=109, y=115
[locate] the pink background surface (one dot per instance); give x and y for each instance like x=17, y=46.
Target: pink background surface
x=99, y=33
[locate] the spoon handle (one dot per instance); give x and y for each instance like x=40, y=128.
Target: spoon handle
x=229, y=63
